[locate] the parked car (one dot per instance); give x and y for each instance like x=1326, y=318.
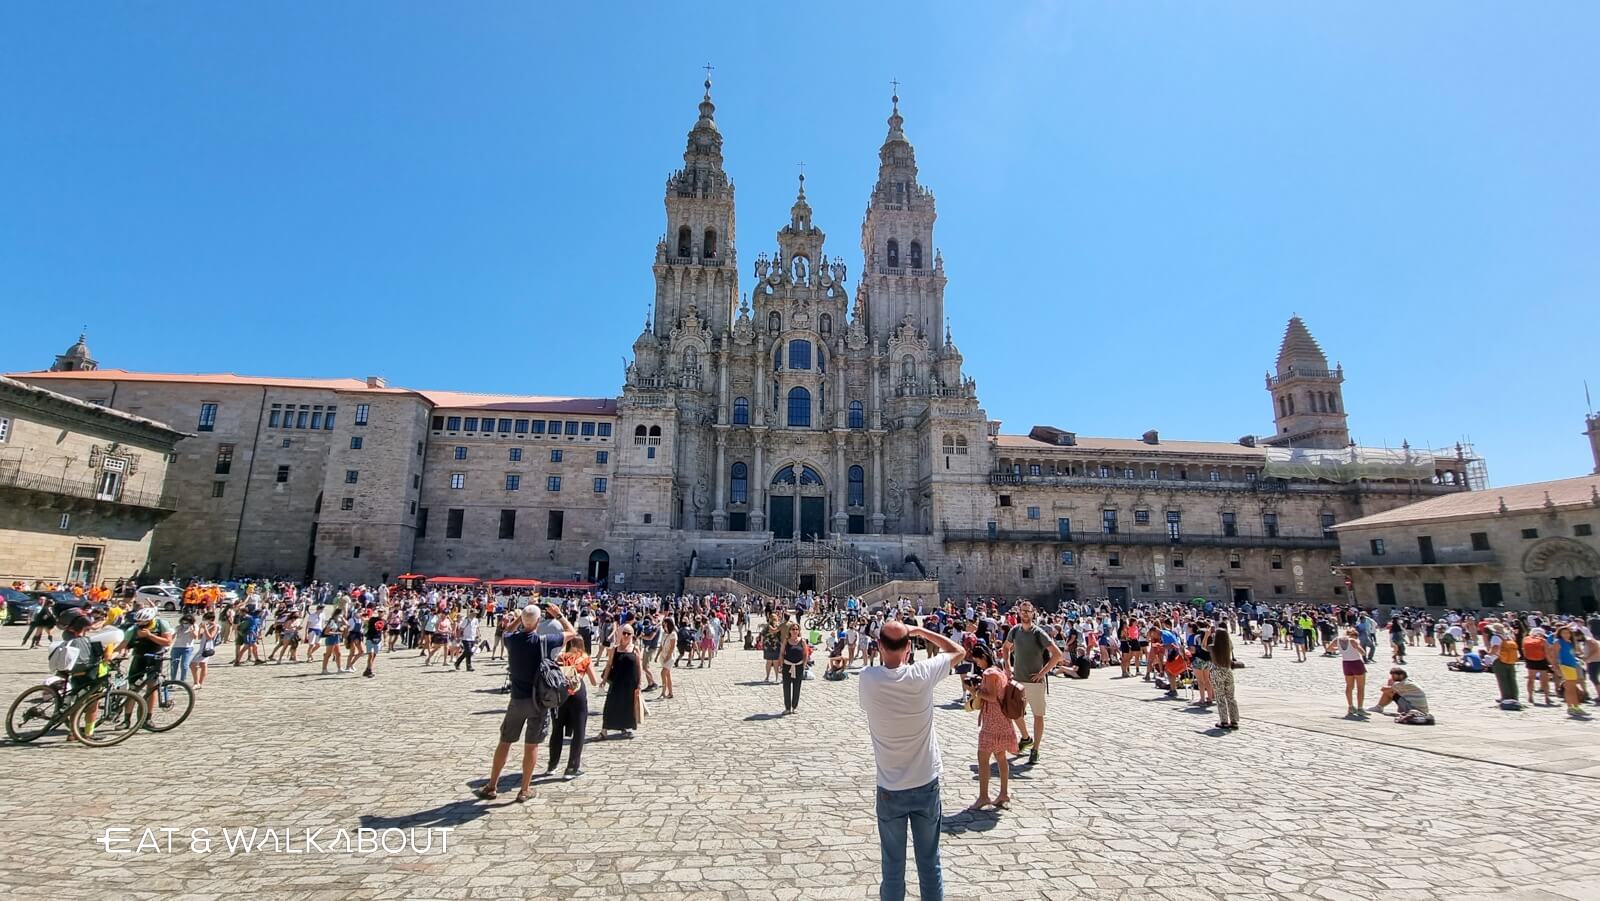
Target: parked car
x=62, y=599
x=165, y=595
x=19, y=606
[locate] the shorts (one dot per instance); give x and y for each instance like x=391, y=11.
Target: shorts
x=331, y=641
x=524, y=716
x=315, y=634
x=1128, y=646
x=373, y=644
x=1570, y=674
x=1035, y=694
x=1538, y=665
x=1355, y=668
x=769, y=653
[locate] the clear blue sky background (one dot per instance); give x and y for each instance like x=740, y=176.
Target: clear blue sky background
x=1133, y=197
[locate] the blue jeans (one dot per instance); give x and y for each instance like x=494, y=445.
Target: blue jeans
x=921, y=807
x=181, y=658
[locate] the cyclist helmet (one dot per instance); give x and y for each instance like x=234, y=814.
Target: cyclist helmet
x=144, y=615
x=74, y=620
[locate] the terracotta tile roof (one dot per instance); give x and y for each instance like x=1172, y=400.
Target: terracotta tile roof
x=1582, y=491
x=1133, y=445
x=219, y=378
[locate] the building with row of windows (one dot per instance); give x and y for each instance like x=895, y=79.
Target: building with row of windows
x=803, y=433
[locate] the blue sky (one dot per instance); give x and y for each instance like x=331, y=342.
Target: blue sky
x=1133, y=197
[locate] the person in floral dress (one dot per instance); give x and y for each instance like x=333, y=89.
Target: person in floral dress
x=997, y=737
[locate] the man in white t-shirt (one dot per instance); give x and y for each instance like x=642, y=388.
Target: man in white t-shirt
x=898, y=699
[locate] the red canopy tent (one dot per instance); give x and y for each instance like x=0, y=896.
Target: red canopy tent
x=453, y=580
x=514, y=583
x=567, y=586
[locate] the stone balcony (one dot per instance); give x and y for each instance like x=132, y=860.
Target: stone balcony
x=43, y=489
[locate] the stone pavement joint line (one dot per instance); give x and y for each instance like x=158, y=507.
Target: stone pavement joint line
x=717, y=797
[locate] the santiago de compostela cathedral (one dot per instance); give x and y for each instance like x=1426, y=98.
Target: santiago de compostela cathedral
x=799, y=434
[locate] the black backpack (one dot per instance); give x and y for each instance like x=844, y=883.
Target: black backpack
x=550, y=686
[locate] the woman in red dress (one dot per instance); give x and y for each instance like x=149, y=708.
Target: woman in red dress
x=997, y=737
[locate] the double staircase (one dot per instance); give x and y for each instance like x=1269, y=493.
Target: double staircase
x=788, y=567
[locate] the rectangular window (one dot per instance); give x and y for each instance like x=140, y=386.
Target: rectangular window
x=1229, y=527
x=458, y=480
x=1377, y=547
x=521, y=427
x=1063, y=528
x=1490, y=595
x=1114, y=559
x=1433, y=594
x=1582, y=530
x=1269, y=524
x=553, y=427
x=301, y=418
x=514, y=455
x=552, y=526
x=1530, y=533
x=285, y=443
x=224, y=459
x=283, y=473
x=1033, y=512
x=316, y=418
x=1174, y=525
x=347, y=503
x=508, y=524
x=605, y=430
x=361, y=413
x=572, y=427
x=647, y=518
x=1108, y=522
x=1178, y=588
x=1177, y=563
x=350, y=476
x=275, y=417
x=471, y=425
x=355, y=442
x=602, y=457
x=438, y=423
x=1277, y=589
x=217, y=488
x=1027, y=572
x=461, y=453
x=1234, y=562
x=1327, y=525
x=327, y=424
x=650, y=453
x=555, y=456
x=452, y=424
x=1385, y=592
x=553, y=483
x=503, y=426
x=1277, y=561
x=1005, y=500
x=422, y=522
x=513, y=481
x=536, y=427
x=588, y=429
x=454, y=518
x=208, y=417
x=599, y=486
x=413, y=508
x=1480, y=541
x=416, y=481
x=1141, y=517
x=1067, y=558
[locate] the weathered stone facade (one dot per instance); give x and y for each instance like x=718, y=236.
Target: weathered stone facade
x=802, y=410
x=1531, y=546
x=81, y=487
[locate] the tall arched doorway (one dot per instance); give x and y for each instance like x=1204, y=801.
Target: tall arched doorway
x=599, y=566
x=1562, y=575
x=797, y=504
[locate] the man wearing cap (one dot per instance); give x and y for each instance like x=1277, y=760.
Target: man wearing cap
x=526, y=649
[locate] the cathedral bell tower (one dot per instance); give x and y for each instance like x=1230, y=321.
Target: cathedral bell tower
x=1308, y=404
x=904, y=276
x=695, y=264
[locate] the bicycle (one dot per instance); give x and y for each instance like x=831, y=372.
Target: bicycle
x=169, y=701
x=98, y=715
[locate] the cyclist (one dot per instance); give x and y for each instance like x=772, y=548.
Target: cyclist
x=81, y=660
x=148, y=637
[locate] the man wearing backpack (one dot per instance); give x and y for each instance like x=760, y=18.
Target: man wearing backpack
x=528, y=710
x=1028, y=657
x=1503, y=648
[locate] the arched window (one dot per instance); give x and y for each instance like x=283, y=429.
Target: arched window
x=799, y=407
x=908, y=368
x=708, y=246
x=638, y=435
x=799, y=354
x=894, y=254
x=825, y=324
x=739, y=484
x=916, y=255
x=741, y=411
x=655, y=434
x=858, y=416
x=784, y=476
x=858, y=487
x=949, y=444
x=809, y=476
x=685, y=238
x=774, y=322
x=1290, y=399
x=961, y=445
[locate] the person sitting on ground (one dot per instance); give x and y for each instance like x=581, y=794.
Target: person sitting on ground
x=837, y=657
x=1470, y=662
x=1406, y=695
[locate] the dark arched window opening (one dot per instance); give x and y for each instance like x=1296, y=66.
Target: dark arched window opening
x=894, y=254
x=638, y=435
x=908, y=368
x=809, y=476
x=916, y=255
x=784, y=476
x=708, y=246
x=685, y=237
x=741, y=411
x=799, y=407
x=858, y=416
x=858, y=487
x=799, y=354
x=825, y=324
x=739, y=484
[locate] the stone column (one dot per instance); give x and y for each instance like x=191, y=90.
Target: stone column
x=840, y=520
x=758, y=485
x=759, y=402
x=719, y=514
x=875, y=493
x=722, y=386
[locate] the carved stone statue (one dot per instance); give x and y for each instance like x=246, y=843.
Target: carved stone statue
x=894, y=497
x=763, y=266
x=700, y=496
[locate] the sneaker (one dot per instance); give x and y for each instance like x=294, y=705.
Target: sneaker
x=1033, y=757
x=1025, y=744
x=570, y=775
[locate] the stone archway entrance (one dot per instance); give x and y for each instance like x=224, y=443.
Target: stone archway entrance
x=1562, y=575
x=599, y=566
x=797, y=504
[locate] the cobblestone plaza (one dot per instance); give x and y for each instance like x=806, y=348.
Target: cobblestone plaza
x=717, y=796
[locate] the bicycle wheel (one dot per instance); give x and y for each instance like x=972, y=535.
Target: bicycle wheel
x=107, y=717
x=33, y=713
x=171, y=704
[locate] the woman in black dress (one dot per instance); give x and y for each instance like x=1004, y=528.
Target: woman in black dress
x=622, y=697
x=794, y=667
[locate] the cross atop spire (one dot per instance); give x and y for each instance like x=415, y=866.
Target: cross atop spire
x=708, y=67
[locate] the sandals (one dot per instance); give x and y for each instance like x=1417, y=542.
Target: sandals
x=524, y=795
x=485, y=793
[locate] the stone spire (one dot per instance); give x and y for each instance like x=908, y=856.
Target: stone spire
x=1299, y=351
x=76, y=359
x=897, y=160
x=704, y=148
x=1307, y=397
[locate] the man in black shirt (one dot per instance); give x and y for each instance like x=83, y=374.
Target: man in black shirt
x=526, y=650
